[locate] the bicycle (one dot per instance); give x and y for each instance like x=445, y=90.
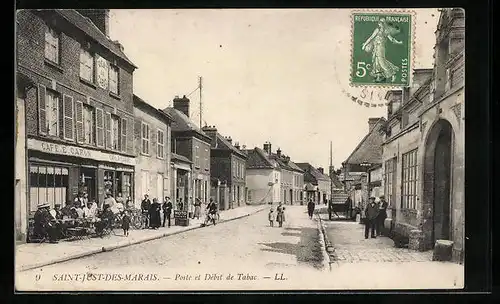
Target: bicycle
x=211, y=218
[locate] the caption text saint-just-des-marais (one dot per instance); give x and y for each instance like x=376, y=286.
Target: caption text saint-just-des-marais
x=108, y=184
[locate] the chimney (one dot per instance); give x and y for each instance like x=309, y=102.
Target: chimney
x=372, y=122
x=278, y=152
x=211, y=132
x=237, y=145
x=182, y=104
x=321, y=170
x=100, y=17
x=229, y=139
x=267, y=147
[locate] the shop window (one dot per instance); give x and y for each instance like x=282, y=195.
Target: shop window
x=127, y=185
x=409, y=180
x=48, y=184
x=109, y=181
x=52, y=45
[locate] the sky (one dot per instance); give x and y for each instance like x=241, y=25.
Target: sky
x=268, y=75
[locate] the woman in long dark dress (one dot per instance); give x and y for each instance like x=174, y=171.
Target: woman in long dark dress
x=155, y=214
x=280, y=217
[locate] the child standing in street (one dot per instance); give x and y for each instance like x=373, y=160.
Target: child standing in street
x=271, y=217
x=125, y=223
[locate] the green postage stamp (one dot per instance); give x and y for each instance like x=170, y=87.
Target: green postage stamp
x=381, y=49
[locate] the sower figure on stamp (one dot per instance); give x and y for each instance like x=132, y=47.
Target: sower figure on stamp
x=382, y=69
x=371, y=213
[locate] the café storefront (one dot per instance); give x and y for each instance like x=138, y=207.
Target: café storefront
x=58, y=172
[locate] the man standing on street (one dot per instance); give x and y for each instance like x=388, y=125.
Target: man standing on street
x=382, y=214
x=167, y=210
x=348, y=206
x=145, y=206
x=310, y=208
x=371, y=213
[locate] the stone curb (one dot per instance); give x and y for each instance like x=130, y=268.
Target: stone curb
x=329, y=249
x=123, y=245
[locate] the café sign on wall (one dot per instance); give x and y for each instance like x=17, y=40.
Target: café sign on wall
x=69, y=150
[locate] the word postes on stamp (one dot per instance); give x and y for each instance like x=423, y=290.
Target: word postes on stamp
x=381, y=49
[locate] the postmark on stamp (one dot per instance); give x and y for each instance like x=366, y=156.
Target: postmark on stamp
x=381, y=49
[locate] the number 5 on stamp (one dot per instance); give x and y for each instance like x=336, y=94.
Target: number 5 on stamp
x=381, y=49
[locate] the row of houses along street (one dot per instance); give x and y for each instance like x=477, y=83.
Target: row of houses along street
x=81, y=129
x=415, y=156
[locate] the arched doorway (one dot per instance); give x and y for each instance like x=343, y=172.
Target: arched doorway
x=437, y=182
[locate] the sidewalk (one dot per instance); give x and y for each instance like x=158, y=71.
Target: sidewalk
x=34, y=255
x=361, y=263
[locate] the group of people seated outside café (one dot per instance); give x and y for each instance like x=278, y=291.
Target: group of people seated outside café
x=50, y=224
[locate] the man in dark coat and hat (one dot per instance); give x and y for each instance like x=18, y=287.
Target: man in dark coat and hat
x=371, y=213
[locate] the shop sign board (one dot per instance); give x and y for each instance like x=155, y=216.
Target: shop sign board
x=70, y=150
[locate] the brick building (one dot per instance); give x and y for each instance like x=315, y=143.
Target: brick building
x=227, y=167
x=423, y=151
x=76, y=85
x=152, y=129
x=190, y=141
x=292, y=179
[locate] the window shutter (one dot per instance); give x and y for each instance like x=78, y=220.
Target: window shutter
x=107, y=123
x=124, y=135
x=152, y=141
x=42, y=112
x=99, y=124
x=79, y=121
x=68, y=130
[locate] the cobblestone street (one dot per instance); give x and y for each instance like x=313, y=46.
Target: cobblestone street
x=247, y=245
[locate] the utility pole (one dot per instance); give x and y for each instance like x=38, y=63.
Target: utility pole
x=331, y=171
x=200, y=85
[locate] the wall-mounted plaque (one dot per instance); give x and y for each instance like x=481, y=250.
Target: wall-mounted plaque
x=102, y=72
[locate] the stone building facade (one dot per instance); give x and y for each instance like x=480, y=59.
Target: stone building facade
x=191, y=142
x=263, y=177
x=77, y=89
x=152, y=129
x=424, y=146
x=228, y=168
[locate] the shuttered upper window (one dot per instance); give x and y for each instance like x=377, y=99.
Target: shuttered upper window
x=99, y=126
x=88, y=125
x=124, y=135
x=48, y=111
x=145, y=138
x=160, y=149
x=114, y=79
x=115, y=132
x=87, y=65
x=68, y=109
x=52, y=45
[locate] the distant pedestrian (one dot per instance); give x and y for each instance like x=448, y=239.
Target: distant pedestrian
x=125, y=223
x=382, y=214
x=197, y=208
x=371, y=213
x=167, y=210
x=348, y=206
x=280, y=217
x=310, y=208
x=271, y=217
x=145, y=206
